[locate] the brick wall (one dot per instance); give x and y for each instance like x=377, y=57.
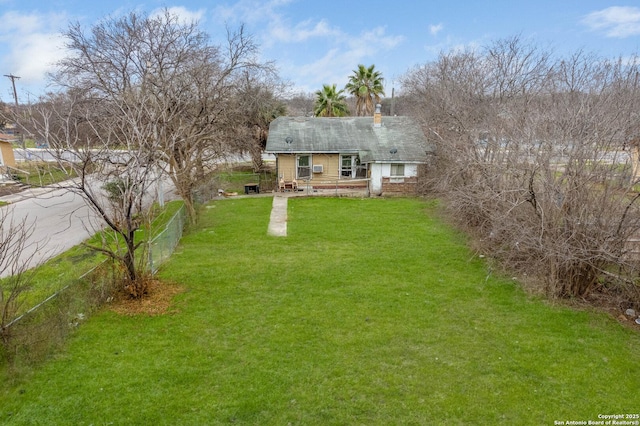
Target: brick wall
x=392, y=186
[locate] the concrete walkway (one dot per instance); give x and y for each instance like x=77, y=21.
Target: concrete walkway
x=278, y=220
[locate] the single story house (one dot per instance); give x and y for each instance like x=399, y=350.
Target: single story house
x=380, y=155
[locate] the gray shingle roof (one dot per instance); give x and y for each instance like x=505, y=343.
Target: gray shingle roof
x=398, y=139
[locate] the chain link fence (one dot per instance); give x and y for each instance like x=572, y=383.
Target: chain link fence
x=35, y=333
x=162, y=246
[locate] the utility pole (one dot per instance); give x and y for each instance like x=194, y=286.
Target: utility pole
x=13, y=79
x=393, y=102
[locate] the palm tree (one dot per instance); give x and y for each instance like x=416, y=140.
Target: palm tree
x=366, y=85
x=330, y=102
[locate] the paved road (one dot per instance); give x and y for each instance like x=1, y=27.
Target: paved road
x=42, y=154
x=60, y=219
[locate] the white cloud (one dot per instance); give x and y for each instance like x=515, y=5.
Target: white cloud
x=280, y=31
x=615, y=21
x=34, y=55
x=370, y=43
x=435, y=29
x=452, y=44
x=184, y=15
x=30, y=45
x=250, y=11
x=275, y=27
x=337, y=50
x=326, y=70
x=337, y=64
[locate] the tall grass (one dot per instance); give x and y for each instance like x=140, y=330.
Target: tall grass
x=369, y=312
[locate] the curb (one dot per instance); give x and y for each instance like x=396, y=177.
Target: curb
x=26, y=194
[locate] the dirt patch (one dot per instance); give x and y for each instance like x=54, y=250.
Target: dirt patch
x=615, y=305
x=157, y=301
x=10, y=189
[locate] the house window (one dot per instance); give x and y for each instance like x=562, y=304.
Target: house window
x=346, y=166
x=350, y=167
x=397, y=170
x=304, y=167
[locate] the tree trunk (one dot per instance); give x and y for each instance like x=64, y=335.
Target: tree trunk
x=129, y=257
x=191, y=209
x=256, y=158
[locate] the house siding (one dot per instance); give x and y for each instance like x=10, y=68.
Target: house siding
x=286, y=167
x=6, y=155
x=379, y=182
x=329, y=178
x=382, y=182
x=329, y=163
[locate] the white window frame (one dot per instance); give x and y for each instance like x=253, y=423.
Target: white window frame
x=355, y=167
x=308, y=167
x=397, y=170
x=351, y=169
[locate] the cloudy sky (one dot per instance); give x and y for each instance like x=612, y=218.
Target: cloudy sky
x=321, y=42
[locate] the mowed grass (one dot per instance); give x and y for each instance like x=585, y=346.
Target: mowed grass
x=371, y=312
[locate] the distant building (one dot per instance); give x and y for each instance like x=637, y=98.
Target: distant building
x=6, y=150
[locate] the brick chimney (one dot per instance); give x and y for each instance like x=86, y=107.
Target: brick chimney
x=377, y=116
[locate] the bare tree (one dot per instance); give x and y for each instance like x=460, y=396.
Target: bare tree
x=196, y=90
x=532, y=159
x=181, y=88
x=4, y=113
x=167, y=69
x=300, y=104
x=106, y=152
x=14, y=265
x=257, y=106
x=141, y=96
x=103, y=134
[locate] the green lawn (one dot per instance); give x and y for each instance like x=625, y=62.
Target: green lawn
x=371, y=312
x=65, y=269
x=40, y=173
